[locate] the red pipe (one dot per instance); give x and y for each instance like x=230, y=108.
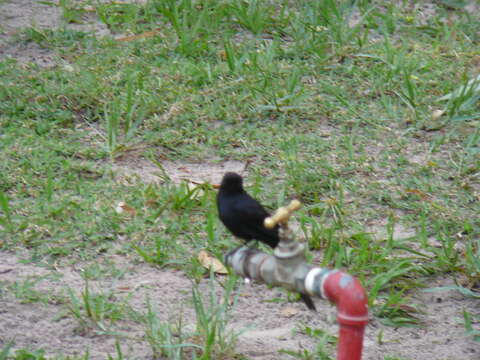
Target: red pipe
x=352, y=312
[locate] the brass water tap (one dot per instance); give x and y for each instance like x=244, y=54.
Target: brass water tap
x=282, y=215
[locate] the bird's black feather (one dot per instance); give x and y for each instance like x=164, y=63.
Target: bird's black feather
x=242, y=214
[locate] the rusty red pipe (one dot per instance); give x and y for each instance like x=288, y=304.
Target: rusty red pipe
x=352, y=312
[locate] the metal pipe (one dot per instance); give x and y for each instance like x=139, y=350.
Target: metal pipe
x=352, y=307
x=289, y=270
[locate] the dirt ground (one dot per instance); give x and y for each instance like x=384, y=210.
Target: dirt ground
x=270, y=325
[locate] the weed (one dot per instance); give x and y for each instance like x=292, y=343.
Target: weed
x=119, y=354
x=235, y=60
x=98, y=271
x=6, y=350
x=212, y=315
x=70, y=12
x=191, y=22
x=118, y=15
x=6, y=219
x=25, y=291
x=166, y=339
x=95, y=310
x=469, y=320
x=324, y=342
x=461, y=103
x=24, y=354
x=254, y=15
x=211, y=339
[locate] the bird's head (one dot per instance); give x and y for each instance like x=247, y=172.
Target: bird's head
x=231, y=182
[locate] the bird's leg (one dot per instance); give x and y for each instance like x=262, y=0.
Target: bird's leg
x=251, y=245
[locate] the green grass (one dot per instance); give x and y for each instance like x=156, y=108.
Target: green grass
x=330, y=101
x=98, y=311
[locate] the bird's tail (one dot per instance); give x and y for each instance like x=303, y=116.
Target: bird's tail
x=308, y=301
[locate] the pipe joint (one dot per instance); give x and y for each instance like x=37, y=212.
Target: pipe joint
x=291, y=272
x=350, y=297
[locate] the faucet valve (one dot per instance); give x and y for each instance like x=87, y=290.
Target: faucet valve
x=282, y=215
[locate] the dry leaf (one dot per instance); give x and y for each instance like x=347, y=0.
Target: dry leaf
x=289, y=311
x=222, y=54
x=420, y=193
x=122, y=207
x=124, y=288
x=437, y=114
x=68, y=67
x=210, y=262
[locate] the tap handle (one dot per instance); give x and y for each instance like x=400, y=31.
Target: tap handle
x=282, y=215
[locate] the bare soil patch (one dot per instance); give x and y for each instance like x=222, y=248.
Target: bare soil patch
x=269, y=326
x=18, y=15
x=178, y=171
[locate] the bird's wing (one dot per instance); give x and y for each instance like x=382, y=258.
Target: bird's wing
x=250, y=209
x=251, y=214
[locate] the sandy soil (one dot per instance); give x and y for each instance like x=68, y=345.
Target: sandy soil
x=21, y=14
x=147, y=172
x=271, y=325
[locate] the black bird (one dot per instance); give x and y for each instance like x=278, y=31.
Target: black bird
x=243, y=216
